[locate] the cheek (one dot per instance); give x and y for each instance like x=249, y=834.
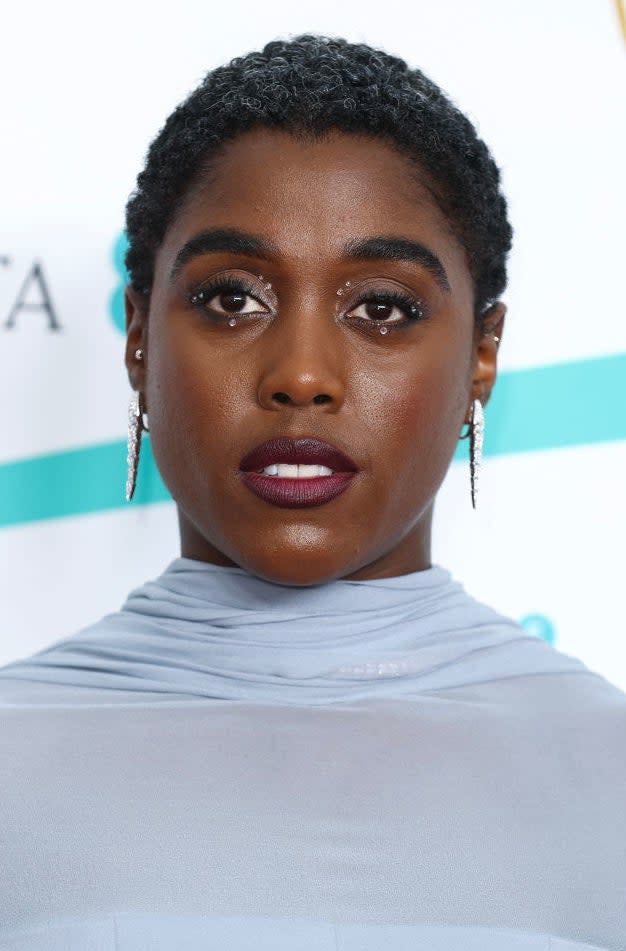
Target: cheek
x=192, y=398
x=417, y=416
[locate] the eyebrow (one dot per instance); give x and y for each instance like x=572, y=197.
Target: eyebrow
x=223, y=239
x=392, y=248
x=378, y=247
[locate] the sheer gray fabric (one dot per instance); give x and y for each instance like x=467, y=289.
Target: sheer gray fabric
x=230, y=763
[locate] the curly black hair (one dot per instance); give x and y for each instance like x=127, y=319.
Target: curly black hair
x=307, y=86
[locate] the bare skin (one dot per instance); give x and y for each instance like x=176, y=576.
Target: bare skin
x=301, y=366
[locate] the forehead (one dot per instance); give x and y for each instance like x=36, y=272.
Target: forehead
x=310, y=196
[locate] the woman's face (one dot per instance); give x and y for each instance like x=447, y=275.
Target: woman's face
x=303, y=360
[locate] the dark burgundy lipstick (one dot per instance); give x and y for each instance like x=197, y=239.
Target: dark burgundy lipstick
x=303, y=451
x=289, y=492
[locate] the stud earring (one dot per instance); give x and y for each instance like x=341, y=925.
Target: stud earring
x=138, y=354
x=136, y=425
x=476, y=434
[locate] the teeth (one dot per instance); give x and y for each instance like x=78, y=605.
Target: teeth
x=285, y=471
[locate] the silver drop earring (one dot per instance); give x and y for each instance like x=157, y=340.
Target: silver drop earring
x=476, y=432
x=136, y=426
x=476, y=446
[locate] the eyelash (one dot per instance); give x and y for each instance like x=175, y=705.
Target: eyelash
x=414, y=310
x=200, y=295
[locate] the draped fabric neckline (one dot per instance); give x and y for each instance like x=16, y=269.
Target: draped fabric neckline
x=222, y=632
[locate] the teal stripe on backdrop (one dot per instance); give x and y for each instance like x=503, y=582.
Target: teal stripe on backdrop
x=75, y=482
x=549, y=407
x=542, y=408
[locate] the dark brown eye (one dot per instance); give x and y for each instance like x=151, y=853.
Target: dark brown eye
x=227, y=296
x=230, y=302
x=378, y=311
x=394, y=309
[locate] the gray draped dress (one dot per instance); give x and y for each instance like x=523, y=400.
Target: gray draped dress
x=230, y=764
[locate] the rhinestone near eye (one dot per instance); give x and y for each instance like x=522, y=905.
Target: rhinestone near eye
x=383, y=330
x=232, y=321
x=340, y=292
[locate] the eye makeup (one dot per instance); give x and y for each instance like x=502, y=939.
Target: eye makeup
x=233, y=296
x=230, y=295
x=378, y=299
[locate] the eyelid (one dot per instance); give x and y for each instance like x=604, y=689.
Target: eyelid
x=376, y=283
x=255, y=285
x=358, y=290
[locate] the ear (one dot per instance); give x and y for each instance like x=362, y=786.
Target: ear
x=486, y=353
x=136, y=307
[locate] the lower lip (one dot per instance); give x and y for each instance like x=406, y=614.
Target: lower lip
x=297, y=493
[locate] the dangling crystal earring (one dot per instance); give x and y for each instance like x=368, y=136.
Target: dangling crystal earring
x=136, y=426
x=475, y=433
x=476, y=446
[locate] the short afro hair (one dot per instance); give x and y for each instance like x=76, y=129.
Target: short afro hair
x=307, y=86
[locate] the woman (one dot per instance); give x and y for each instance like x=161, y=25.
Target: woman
x=304, y=734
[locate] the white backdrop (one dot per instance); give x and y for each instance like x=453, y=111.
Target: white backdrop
x=86, y=89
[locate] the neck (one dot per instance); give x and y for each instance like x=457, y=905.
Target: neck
x=303, y=563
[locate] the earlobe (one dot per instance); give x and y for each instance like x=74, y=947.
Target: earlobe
x=488, y=342
x=135, y=310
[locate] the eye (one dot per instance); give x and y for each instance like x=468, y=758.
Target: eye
x=227, y=296
x=391, y=308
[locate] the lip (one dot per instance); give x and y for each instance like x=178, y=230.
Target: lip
x=306, y=450
x=297, y=493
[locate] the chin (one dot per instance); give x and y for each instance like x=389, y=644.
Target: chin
x=298, y=569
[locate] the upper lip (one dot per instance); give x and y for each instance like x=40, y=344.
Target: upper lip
x=307, y=449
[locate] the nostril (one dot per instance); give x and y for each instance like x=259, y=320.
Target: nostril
x=284, y=398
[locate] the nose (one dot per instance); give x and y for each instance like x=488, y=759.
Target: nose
x=301, y=361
